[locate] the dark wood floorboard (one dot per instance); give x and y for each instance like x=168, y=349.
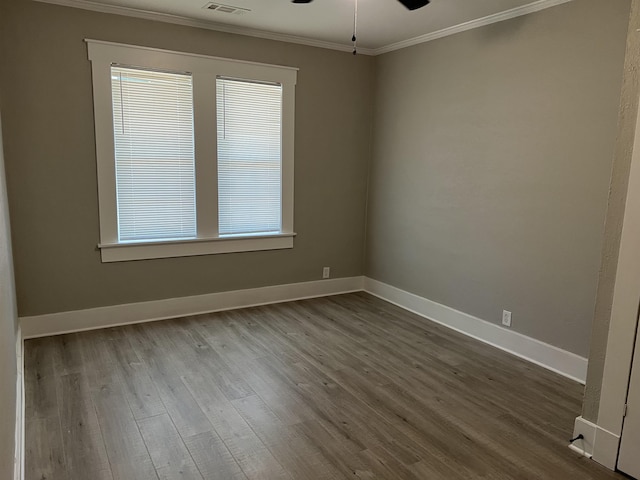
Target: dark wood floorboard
x=340, y=387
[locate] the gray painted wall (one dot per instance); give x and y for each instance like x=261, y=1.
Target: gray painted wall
x=488, y=186
x=615, y=214
x=51, y=166
x=8, y=330
x=492, y=158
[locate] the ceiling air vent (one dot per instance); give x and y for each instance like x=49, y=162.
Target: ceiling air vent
x=218, y=7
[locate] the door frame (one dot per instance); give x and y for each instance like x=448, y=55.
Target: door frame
x=634, y=379
x=623, y=323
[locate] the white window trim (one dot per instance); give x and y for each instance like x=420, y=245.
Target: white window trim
x=204, y=69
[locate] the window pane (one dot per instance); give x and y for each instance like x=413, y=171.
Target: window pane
x=154, y=154
x=249, y=156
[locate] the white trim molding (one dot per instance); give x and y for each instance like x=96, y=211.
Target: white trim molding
x=598, y=443
x=553, y=358
x=532, y=7
x=122, y=252
x=115, y=315
x=584, y=446
x=605, y=448
x=192, y=22
x=548, y=356
x=477, y=23
x=204, y=72
x=20, y=404
x=623, y=324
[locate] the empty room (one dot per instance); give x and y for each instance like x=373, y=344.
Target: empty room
x=319, y=239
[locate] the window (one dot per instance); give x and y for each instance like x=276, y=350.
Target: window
x=194, y=153
x=154, y=154
x=249, y=123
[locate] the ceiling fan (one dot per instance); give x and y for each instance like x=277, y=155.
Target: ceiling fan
x=410, y=4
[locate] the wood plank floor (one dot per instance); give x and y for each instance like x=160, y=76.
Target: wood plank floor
x=340, y=387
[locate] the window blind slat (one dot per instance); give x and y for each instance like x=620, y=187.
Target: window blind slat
x=154, y=154
x=249, y=156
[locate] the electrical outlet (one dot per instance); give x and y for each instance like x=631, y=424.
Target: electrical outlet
x=506, y=318
x=326, y=272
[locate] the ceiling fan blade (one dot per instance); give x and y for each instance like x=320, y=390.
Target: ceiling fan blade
x=301, y=1
x=414, y=4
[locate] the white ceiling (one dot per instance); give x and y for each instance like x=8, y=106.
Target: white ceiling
x=381, y=23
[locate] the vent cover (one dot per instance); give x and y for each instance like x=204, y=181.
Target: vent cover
x=219, y=7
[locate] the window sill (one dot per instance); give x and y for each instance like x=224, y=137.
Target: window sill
x=123, y=252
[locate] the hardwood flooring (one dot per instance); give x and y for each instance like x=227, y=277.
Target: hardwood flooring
x=339, y=387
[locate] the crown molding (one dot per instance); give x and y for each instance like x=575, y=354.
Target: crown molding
x=281, y=37
x=479, y=22
x=192, y=22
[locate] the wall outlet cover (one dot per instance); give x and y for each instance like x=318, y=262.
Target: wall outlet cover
x=506, y=318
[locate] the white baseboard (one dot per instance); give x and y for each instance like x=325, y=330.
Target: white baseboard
x=584, y=446
x=606, y=447
x=20, y=418
x=553, y=358
x=599, y=444
x=111, y=316
x=548, y=356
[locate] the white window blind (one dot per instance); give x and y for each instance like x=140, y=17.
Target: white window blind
x=249, y=156
x=154, y=154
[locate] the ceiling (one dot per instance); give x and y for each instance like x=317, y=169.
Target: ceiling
x=382, y=24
